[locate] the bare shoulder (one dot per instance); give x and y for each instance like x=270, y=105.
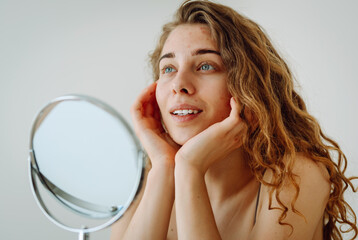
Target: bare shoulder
x=297, y=210
x=309, y=175
x=306, y=168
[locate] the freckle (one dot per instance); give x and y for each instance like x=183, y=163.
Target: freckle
x=204, y=30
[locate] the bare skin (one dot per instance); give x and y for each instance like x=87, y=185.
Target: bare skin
x=199, y=185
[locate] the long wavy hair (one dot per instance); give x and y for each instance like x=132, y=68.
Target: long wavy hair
x=261, y=80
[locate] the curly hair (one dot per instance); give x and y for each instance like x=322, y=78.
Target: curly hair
x=261, y=80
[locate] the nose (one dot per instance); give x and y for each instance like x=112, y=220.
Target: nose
x=183, y=84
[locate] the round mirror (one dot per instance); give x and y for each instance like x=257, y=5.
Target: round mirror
x=85, y=164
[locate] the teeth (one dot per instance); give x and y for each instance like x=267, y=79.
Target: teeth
x=185, y=112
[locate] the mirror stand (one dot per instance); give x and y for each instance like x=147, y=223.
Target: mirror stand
x=82, y=235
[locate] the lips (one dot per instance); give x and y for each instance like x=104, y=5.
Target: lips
x=184, y=109
x=185, y=112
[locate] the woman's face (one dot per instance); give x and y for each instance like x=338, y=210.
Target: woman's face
x=191, y=91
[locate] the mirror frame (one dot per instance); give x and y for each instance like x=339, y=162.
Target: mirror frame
x=33, y=169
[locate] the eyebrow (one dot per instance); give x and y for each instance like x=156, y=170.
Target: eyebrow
x=167, y=55
x=196, y=52
x=205, y=51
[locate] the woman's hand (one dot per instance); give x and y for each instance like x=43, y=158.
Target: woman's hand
x=214, y=143
x=160, y=148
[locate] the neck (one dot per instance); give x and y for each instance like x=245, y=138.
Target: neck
x=228, y=177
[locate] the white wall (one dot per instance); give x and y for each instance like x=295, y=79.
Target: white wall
x=99, y=48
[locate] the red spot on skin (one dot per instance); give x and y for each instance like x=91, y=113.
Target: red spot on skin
x=204, y=29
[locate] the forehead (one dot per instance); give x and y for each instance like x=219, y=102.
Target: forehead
x=189, y=36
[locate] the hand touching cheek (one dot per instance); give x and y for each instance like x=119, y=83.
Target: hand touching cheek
x=214, y=143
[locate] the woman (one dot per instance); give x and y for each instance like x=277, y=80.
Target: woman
x=233, y=152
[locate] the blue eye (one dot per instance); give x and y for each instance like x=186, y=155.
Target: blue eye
x=206, y=67
x=168, y=70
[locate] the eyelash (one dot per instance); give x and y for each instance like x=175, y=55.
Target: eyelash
x=163, y=70
x=207, y=64
x=166, y=67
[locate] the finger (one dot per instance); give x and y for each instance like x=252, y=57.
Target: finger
x=234, y=117
x=235, y=112
x=141, y=103
x=136, y=110
x=233, y=124
x=148, y=109
x=157, y=114
x=154, y=110
x=147, y=94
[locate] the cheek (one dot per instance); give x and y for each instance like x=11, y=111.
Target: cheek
x=223, y=105
x=225, y=108
x=161, y=97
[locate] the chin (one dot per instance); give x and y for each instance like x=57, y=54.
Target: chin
x=180, y=141
x=181, y=138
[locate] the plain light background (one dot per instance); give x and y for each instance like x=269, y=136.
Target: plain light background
x=100, y=48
